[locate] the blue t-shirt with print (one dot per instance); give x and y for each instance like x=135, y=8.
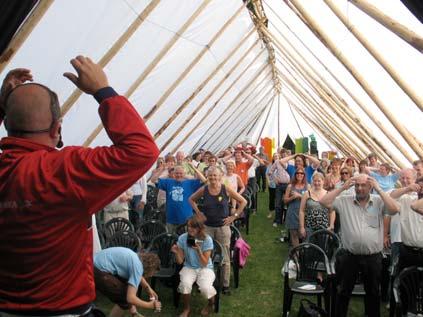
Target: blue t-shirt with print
x=178, y=209
x=122, y=262
x=191, y=256
x=309, y=171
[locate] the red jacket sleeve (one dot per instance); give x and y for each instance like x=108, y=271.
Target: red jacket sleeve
x=98, y=175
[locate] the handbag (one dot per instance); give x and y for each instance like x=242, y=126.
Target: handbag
x=310, y=309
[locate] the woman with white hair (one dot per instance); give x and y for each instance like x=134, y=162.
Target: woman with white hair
x=314, y=216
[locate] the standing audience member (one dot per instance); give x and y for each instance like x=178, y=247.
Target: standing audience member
x=241, y=165
x=252, y=181
x=313, y=215
x=49, y=195
x=215, y=208
x=361, y=217
x=384, y=178
x=282, y=180
x=261, y=169
x=118, y=272
x=292, y=198
x=346, y=174
x=418, y=167
x=300, y=161
x=411, y=248
x=271, y=185
x=333, y=179
x=373, y=163
x=178, y=191
x=194, y=249
x=119, y=207
x=139, y=198
x=233, y=181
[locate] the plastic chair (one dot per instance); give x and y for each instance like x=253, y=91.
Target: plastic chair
x=161, y=245
x=235, y=235
x=327, y=240
x=115, y=225
x=408, y=292
x=127, y=239
x=307, y=259
x=217, y=259
x=149, y=230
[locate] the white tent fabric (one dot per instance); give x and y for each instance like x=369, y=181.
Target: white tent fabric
x=232, y=105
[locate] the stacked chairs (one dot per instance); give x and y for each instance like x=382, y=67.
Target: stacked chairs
x=408, y=292
x=312, y=269
x=169, y=270
x=149, y=230
x=115, y=225
x=235, y=235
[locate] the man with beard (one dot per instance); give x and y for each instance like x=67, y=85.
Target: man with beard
x=361, y=217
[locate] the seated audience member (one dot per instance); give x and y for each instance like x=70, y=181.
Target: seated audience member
x=292, y=198
x=384, y=178
x=178, y=190
x=361, y=217
x=46, y=265
x=411, y=248
x=118, y=272
x=313, y=215
x=118, y=207
x=300, y=161
x=215, y=209
x=194, y=250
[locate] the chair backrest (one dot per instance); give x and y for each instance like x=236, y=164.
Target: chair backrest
x=150, y=214
x=408, y=289
x=127, y=239
x=149, y=230
x=235, y=235
x=326, y=240
x=152, y=192
x=181, y=229
x=309, y=260
x=247, y=196
x=117, y=224
x=217, y=254
x=134, y=218
x=161, y=245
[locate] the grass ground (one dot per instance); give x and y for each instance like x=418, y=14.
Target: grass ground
x=260, y=291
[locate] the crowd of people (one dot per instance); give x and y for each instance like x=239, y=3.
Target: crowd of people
x=49, y=197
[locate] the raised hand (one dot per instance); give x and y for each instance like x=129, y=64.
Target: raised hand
x=91, y=76
x=13, y=78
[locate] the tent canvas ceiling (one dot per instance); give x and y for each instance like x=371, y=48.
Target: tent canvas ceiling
x=201, y=75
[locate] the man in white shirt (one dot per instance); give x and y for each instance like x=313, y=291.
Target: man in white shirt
x=139, y=198
x=361, y=218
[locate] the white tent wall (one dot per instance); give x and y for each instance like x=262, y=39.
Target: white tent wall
x=160, y=52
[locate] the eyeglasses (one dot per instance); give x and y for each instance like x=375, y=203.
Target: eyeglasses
x=345, y=173
x=299, y=173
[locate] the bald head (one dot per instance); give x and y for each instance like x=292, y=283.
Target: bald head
x=31, y=107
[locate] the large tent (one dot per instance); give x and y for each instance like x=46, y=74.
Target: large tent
x=212, y=73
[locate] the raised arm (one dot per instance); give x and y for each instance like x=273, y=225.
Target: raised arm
x=285, y=160
x=313, y=161
x=240, y=206
x=397, y=193
x=155, y=175
x=390, y=204
x=330, y=197
x=417, y=206
x=198, y=173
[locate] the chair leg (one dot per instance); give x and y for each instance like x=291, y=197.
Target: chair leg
x=175, y=291
x=285, y=303
x=319, y=300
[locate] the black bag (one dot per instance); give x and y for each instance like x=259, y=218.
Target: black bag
x=310, y=309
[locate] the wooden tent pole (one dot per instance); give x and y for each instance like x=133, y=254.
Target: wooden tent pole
x=360, y=103
x=246, y=110
x=335, y=106
x=376, y=55
x=235, y=108
x=411, y=37
x=265, y=120
x=213, y=106
x=111, y=53
x=206, y=81
x=23, y=32
x=360, y=80
x=193, y=63
x=279, y=118
x=154, y=63
x=356, y=100
x=251, y=123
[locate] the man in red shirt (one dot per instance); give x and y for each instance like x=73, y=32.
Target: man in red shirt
x=47, y=196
